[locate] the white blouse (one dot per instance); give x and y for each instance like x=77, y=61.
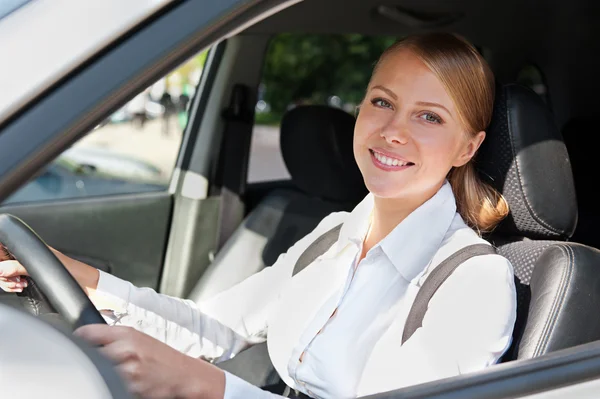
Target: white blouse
x=358, y=350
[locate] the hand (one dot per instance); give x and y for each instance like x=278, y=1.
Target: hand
x=152, y=369
x=11, y=272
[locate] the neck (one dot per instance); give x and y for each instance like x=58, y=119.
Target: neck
x=389, y=213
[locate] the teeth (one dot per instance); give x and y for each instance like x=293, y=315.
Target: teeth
x=388, y=161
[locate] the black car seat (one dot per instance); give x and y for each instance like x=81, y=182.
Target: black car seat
x=316, y=145
x=558, y=282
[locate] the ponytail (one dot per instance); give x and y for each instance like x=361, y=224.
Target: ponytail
x=479, y=204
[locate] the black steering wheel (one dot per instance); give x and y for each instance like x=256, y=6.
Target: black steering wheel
x=60, y=288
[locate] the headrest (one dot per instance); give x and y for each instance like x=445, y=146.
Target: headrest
x=525, y=158
x=316, y=144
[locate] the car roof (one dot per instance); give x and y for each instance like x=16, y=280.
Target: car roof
x=50, y=39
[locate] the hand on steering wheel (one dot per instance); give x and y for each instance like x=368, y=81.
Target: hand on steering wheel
x=11, y=272
x=36, y=260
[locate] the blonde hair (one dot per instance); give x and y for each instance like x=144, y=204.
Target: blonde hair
x=469, y=81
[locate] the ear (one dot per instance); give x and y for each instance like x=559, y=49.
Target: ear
x=472, y=145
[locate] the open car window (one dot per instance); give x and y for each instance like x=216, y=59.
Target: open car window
x=132, y=151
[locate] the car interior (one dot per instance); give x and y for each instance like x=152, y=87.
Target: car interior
x=213, y=227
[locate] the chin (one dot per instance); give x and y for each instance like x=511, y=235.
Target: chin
x=385, y=189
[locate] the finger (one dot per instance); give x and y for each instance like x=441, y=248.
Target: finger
x=120, y=351
x=12, y=284
x=101, y=334
x=16, y=279
x=10, y=289
x=11, y=268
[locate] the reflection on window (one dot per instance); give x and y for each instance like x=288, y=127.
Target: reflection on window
x=134, y=150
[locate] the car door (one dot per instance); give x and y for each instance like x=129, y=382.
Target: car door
x=106, y=199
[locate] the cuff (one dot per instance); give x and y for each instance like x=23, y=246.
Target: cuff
x=236, y=388
x=111, y=293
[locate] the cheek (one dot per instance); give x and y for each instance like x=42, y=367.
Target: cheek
x=439, y=149
x=368, y=124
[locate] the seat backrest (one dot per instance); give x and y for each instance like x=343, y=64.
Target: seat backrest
x=316, y=144
x=558, y=282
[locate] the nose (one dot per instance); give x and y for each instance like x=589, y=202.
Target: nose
x=396, y=132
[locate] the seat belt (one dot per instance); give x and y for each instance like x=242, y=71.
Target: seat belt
x=435, y=279
x=232, y=170
x=317, y=248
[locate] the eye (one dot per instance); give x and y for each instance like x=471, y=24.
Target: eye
x=431, y=117
x=381, y=103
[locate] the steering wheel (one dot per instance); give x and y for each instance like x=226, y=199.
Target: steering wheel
x=60, y=288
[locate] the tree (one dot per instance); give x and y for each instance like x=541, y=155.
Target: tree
x=306, y=68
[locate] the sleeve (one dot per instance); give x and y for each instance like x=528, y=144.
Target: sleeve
x=217, y=329
x=236, y=388
x=467, y=327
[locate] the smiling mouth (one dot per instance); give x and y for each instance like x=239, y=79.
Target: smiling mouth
x=389, y=162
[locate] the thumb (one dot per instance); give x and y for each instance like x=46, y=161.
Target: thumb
x=11, y=268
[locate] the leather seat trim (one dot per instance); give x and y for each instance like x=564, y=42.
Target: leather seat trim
x=532, y=212
x=558, y=302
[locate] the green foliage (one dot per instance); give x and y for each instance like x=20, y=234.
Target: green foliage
x=306, y=68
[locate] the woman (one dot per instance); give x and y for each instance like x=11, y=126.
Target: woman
x=334, y=329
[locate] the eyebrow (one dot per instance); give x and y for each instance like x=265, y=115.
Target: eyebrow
x=388, y=91
x=429, y=104
x=421, y=103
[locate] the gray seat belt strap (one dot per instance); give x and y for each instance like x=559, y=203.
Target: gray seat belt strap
x=435, y=280
x=317, y=248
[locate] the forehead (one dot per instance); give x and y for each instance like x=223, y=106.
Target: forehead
x=410, y=79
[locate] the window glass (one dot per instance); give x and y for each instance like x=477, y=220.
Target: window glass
x=307, y=69
x=8, y=6
x=134, y=150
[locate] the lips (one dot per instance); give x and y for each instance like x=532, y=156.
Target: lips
x=388, y=161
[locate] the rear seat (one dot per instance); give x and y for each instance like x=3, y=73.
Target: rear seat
x=316, y=144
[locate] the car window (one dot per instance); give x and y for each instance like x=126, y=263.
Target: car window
x=307, y=69
x=134, y=150
x=8, y=6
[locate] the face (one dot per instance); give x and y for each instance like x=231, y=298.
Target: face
x=408, y=132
